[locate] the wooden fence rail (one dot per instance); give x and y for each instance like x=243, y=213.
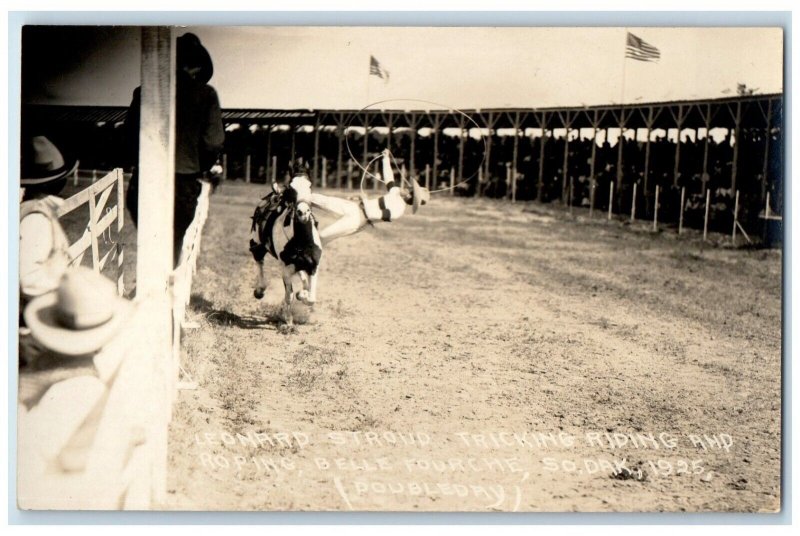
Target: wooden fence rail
x=100, y=219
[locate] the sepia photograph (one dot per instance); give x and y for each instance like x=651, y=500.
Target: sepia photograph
x=400, y=268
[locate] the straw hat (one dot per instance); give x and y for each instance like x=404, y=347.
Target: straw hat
x=80, y=316
x=419, y=195
x=42, y=162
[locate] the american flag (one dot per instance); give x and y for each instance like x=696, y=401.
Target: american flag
x=377, y=69
x=638, y=49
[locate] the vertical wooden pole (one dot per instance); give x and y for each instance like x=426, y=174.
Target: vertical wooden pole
x=274, y=169
x=93, y=230
x=461, y=125
x=570, y=194
x=620, y=143
x=766, y=208
x=270, y=160
x=592, y=188
x=390, y=125
x=317, y=126
x=428, y=176
x=349, y=175
x=705, y=219
x=488, y=164
x=594, y=149
x=120, y=225
x=565, y=164
x=515, y=158
x=543, y=141
x=610, y=198
x=154, y=261
x=765, y=166
x=736, y=144
x=294, y=133
x=508, y=177
x=156, y=161
x=676, y=169
x=75, y=177
x=683, y=205
x=340, y=132
x=707, y=120
x=436, y=122
x=225, y=167
x=633, y=203
x=247, y=168
x=365, y=155
x=324, y=172
x=647, y=151
x=655, y=211
x=413, y=155
x=735, y=217
x=452, y=181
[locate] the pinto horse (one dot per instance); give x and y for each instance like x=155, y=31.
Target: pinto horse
x=285, y=227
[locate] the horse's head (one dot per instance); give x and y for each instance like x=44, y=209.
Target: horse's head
x=301, y=187
x=302, y=210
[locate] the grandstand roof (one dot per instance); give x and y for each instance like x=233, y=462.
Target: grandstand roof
x=721, y=113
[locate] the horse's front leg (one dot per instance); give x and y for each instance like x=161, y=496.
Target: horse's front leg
x=288, y=298
x=311, y=299
x=259, y=252
x=261, y=280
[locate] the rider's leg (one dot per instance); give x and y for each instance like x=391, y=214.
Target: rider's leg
x=351, y=218
x=391, y=205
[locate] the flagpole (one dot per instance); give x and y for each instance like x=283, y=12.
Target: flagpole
x=624, y=67
x=369, y=62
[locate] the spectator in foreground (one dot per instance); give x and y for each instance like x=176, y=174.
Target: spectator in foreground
x=43, y=246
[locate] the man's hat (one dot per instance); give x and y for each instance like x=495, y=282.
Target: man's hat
x=42, y=162
x=191, y=53
x=419, y=195
x=80, y=316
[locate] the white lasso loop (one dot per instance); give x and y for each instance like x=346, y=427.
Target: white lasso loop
x=365, y=170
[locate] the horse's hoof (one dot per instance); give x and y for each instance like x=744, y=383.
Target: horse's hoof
x=287, y=329
x=258, y=293
x=302, y=296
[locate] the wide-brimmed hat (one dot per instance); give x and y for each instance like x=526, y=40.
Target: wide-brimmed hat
x=80, y=316
x=42, y=162
x=419, y=195
x=191, y=53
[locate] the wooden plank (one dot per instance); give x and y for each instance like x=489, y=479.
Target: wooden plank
x=93, y=232
x=100, y=204
x=120, y=225
x=82, y=197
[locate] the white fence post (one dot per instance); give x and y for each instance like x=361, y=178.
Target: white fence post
x=155, y=232
x=655, y=211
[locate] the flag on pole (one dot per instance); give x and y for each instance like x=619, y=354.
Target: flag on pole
x=375, y=68
x=638, y=49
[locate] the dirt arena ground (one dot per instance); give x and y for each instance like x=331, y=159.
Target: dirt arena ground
x=484, y=356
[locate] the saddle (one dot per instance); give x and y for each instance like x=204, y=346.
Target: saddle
x=300, y=250
x=264, y=217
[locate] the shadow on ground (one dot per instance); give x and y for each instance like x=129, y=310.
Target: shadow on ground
x=221, y=317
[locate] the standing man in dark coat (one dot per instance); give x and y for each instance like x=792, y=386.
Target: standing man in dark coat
x=199, y=135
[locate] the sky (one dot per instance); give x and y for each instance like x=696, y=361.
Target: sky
x=328, y=67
